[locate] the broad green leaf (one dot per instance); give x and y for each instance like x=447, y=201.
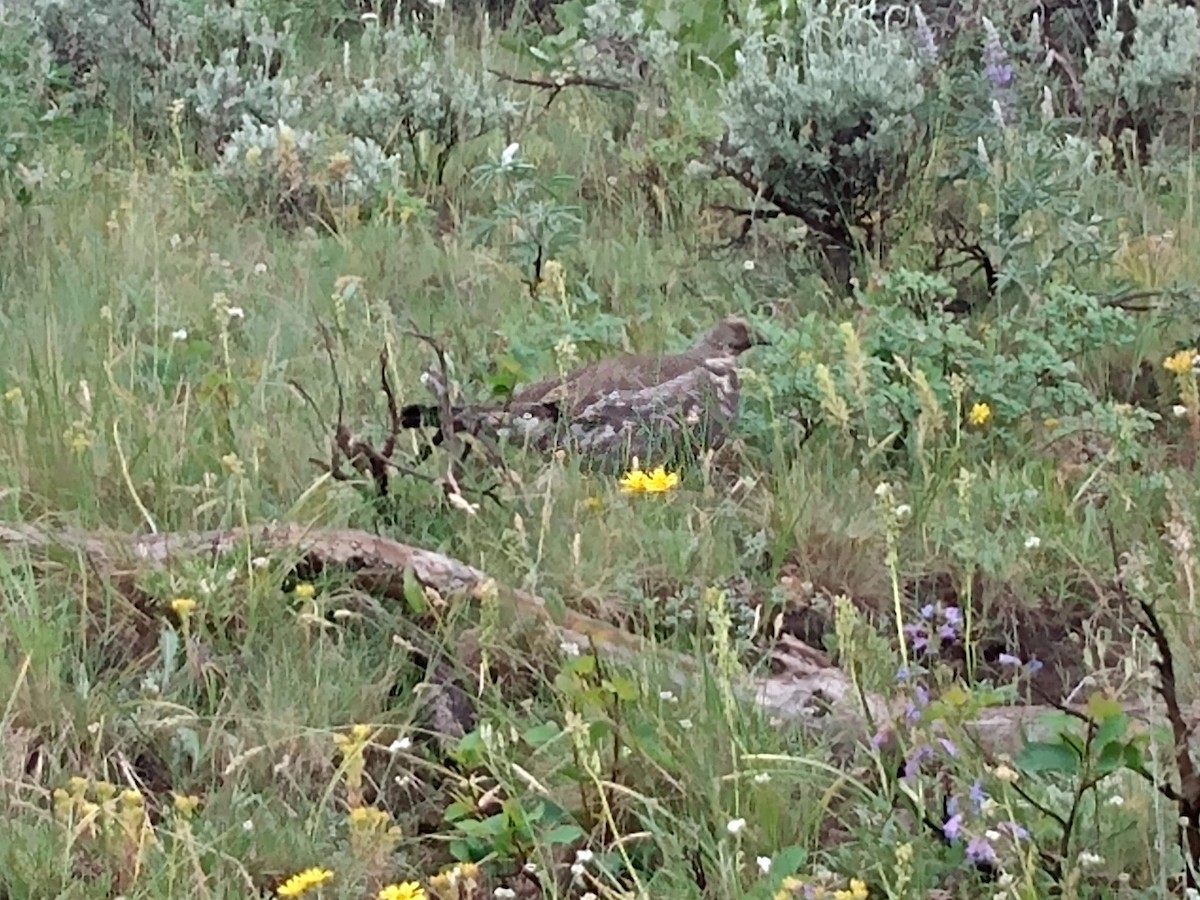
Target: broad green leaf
x=563, y=834
x=1039, y=756
x=542, y=734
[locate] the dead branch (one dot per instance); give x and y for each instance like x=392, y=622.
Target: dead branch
x=558, y=85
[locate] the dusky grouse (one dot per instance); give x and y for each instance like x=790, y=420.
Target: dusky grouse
x=657, y=408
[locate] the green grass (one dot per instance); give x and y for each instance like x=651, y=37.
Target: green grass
x=110, y=420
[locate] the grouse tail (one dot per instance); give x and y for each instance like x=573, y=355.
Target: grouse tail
x=419, y=415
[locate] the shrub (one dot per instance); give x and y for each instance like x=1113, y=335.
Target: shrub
x=821, y=121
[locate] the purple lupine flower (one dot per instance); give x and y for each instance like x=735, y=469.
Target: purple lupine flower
x=1007, y=659
x=997, y=66
x=953, y=827
x=952, y=616
x=918, y=637
x=977, y=796
x=1014, y=829
x=947, y=633
x=912, y=715
x=922, y=696
x=980, y=851
x=998, y=69
x=1034, y=666
x=925, y=36
x=927, y=611
x=912, y=765
x=948, y=746
x=902, y=674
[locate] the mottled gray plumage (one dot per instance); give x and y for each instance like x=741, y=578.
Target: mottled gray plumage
x=651, y=407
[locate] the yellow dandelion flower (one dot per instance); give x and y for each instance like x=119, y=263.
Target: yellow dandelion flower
x=409, y=890
x=980, y=414
x=657, y=481
x=633, y=481
x=1180, y=363
x=305, y=591
x=183, y=606
x=304, y=881
x=856, y=891
x=661, y=480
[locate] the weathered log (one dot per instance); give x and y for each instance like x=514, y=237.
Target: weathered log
x=803, y=690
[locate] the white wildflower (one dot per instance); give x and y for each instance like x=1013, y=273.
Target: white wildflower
x=1033, y=542
x=179, y=334
x=735, y=826
x=764, y=864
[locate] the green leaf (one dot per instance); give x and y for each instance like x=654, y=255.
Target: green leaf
x=788, y=862
x=1111, y=729
x=1110, y=758
x=625, y=689
x=414, y=594
x=542, y=734
x=563, y=834
x=1040, y=756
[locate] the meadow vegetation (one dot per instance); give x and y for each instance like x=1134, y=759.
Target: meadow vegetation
x=963, y=480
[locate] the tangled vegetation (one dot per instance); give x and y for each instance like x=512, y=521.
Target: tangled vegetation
x=236, y=236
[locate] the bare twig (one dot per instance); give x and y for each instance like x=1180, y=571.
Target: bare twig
x=558, y=85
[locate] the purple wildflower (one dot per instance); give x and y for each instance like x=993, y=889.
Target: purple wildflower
x=998, y=69
x=927, y=611
x=912, y=715
x=947, y=633
x=879, y=738
x=980, y=851
x=948, y=746
x=912, y=765
x=1014, y=829
x=978, y=796
x=952, y=616
x=902, y=674
x=1034, y=666
x=922, y=696
x=918, y=637
x=953, y=827
x=925, y=35
x=1007, y=659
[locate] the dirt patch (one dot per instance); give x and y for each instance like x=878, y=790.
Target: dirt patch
x=1006, y=627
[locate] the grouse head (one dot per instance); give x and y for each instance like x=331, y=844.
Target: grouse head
x=732, y=336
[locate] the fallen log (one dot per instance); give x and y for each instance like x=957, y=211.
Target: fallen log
x=804, y=689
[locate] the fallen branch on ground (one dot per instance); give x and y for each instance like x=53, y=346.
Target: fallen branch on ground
x=803, y=690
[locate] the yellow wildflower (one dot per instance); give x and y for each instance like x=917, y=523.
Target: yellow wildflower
x=304, y=881
x=183, y=606
x=409, y=890
x=980, y=414
x=233, y=465
x=305, y=591
x=1180, y=363
x=635, y=481
x=593, y=503
x=13, y=395
x=856, y=891
x=186, y=805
